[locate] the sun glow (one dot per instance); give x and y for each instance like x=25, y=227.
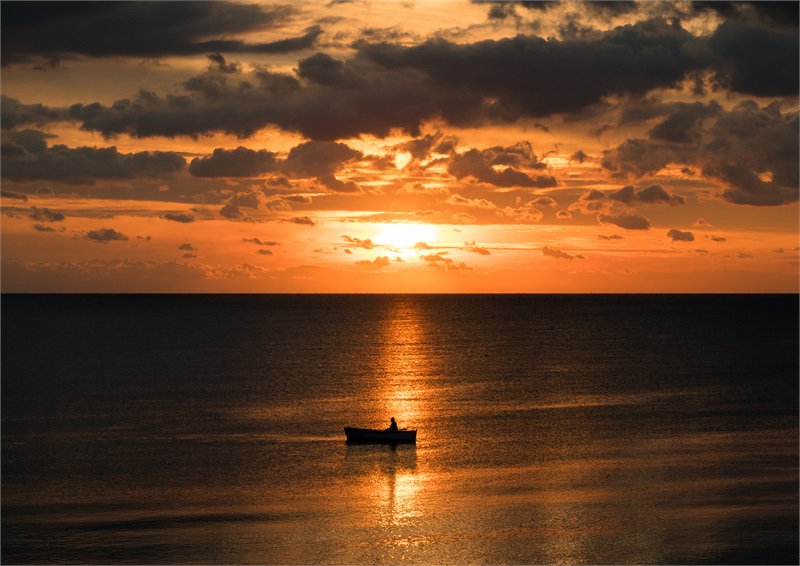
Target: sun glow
x=406, y=235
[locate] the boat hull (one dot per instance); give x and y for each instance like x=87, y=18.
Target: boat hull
x=373, y=436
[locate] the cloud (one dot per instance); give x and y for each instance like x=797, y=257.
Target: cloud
x=611, y=237
x=305, y=220
x=632, y=59
x=147, y=29
x=26, y=156
x=471, y=247
x=179, y=217
x=187, y=248
x=233, y=212
x=480, y=165
x=239, y=162
x=43, y=228
x=358, y=242
x=679, y=236
x=718, y=238
x=754, y=151
x=756, y=60
x=625, y=220
x=14, y=113
x=260, y=242
x=47, y=215
x=386, y=86
x=652, y=194
x=702, y=223
x=377, y=263
x=11, y=194
x=264, y=252
x=559, y=254
x=105, y=235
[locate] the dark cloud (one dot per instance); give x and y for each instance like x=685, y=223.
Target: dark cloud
x=680, y=236
x=233, y=212
x=11, y=194
x=43, y=228
x=753, y=150
x=652, y=194
x=480, y=165
x=321, y=160
x=105, y=235
x=264, y=252
x=358, y=242
x=305, y=220
x=559, y=254
x=187, y=248
x=532, y=76
x=46, y=215
x=771, y=13
x=179, y=217
x=239, y=162
x=386, y=86
x=26, y=156
x=471, y=247
x=259, y=242
x=13, y=113
x=625, y=220
x=51, y=31
x=756, y=60
x=611, y=237
x=683, y=123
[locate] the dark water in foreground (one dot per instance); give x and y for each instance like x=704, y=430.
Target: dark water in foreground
x=552, y=429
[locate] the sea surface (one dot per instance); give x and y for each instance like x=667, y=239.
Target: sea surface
x=552, y=429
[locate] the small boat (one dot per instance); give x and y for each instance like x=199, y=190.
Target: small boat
x=372, y=436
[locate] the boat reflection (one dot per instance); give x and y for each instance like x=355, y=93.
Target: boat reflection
x=390, y=486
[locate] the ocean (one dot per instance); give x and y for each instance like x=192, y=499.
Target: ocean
x=552, y=429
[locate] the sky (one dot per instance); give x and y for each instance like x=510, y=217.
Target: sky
x=382, y=146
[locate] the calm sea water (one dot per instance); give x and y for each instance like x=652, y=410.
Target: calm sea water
x=552, y=429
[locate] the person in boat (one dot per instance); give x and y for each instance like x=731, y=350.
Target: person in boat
x=392, y=427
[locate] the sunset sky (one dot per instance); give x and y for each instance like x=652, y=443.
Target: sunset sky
x=419, y=146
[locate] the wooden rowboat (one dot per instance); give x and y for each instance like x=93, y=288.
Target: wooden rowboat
x=369, y=436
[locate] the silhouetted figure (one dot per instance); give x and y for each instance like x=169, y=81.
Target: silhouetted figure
x=392, y=427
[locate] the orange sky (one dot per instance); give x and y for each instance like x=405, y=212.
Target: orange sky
x=400, y=147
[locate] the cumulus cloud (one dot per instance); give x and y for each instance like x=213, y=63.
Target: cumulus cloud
x=46, y=215
x=105, y=235
x=260, y=242
x=305, y=220
x=26, y=156
x=480, y=165
x=239, y=162
x=754, y=151
x=550, y=252
x=264, y=251
x=358, y=242
x=187, y=248
x=14, y=113
x=625, y=220
x=11, y=194
x=179, y=217
x=652, y=194
x=148, y=29
x=680, y=236
x=388, y=85
x=471, y=247
x=377, y=263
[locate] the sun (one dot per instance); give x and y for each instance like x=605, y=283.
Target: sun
x=406, y=235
